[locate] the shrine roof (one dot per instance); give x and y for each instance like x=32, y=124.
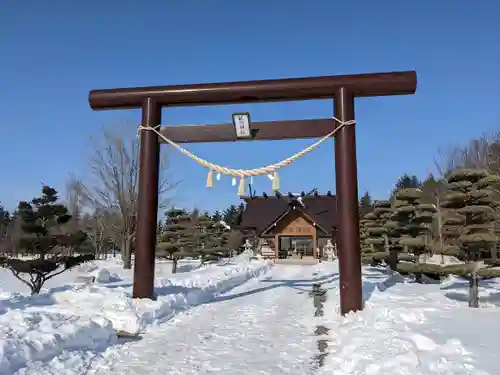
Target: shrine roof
x=262, y=212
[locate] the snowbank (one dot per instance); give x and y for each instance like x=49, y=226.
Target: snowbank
x=103, y=276
x=111, y=298
x=443, y=260
x=36, y=336
x=174, y=293
x=407, y=328
x=87, y=267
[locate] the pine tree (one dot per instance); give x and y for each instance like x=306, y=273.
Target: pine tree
x=231, y=215
x=368, y=250
x=219, y=235
x=365, y=204
x=451, y=230
x=203, y=224
x=43, y=234
x=414, y=227
x=159, y=230
x=433, y=190
x=470, y=198
x=406, y=181
x=203, y=240
x=5, y=219
x=376, y=232
x=217, y=216
x=178, y=239
x=213, y=237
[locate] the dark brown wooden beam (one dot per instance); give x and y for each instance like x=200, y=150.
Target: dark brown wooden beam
x=359, y=85
x=346, y=187
x=271, y=130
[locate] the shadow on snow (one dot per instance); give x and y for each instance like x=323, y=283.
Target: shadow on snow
x=493, y=298
x=298, y=284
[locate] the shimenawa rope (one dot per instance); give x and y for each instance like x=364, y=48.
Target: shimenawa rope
x=242, y=173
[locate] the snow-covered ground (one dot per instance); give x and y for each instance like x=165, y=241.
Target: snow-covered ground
x=9, y=284
x=413, y=329
x=71, y=324
x=250, y=318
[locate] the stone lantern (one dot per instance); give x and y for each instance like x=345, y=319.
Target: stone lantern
x=247, y=245
x=329, y=250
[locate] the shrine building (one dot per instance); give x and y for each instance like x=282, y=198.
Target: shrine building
x=291, y=226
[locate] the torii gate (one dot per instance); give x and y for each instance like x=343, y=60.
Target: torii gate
x=342, y=89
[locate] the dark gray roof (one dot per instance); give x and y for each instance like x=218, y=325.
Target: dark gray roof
x=262, y=212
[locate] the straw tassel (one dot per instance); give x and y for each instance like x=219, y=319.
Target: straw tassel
x=276, y=181
x=241, y=188
x=210, y=179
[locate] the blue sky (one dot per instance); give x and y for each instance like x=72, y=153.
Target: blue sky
x=54, y=52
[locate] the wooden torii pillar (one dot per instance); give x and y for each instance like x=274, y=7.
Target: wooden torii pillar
x=342, y=89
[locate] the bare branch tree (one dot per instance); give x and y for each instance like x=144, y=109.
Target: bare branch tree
x=95, y=226
x=481, y=153
x=74, y=196
x=112, y=189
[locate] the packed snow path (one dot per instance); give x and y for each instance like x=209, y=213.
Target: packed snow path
x=261, y=327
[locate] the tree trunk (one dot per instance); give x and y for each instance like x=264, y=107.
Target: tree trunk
x=386, y=243
x=393, y=260
x=418, y=275
x=473, y=291
x=174, y=265
x=473, y=282
x=127, y=253
x=99, y=249
x=494, y=246
x=440, y=227
x=36, y=286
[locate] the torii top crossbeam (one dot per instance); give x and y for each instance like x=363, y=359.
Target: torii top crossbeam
x=358, y=85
